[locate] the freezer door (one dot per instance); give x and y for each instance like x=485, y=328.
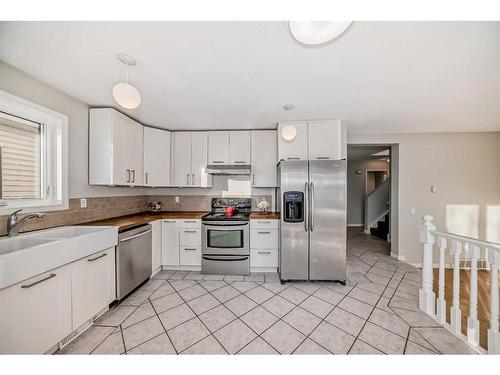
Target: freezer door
x=294, y=236
x=327, y=223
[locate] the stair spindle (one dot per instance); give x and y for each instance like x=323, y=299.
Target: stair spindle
x=456, y=314
x=441, y=302
x=493, y=333
x=472, y=321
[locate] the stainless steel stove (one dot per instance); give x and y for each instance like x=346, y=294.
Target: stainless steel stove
x=225, y=242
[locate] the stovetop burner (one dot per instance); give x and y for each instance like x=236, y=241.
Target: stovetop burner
x=243, y=207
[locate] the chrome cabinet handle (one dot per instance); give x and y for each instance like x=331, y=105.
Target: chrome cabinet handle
x=240, y=162
x=306, y=213
x=190, y=248
x=264, y=232
x=190, y=221
x=190, y=231
x=128, y=175
x=99, y=257
x=187, y=179
x=192, y=179
x=135, y=236
x=146, y=177
x=264, y=222
x=253, y=178
x=323, y=158
x=133, y=175
x=39, y=281
x=292, y=158
x=218, y=162
x=264, y=252
x=312, y=207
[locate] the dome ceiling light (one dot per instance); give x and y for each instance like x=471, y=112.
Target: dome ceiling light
x=317, y=32
x=125, y=94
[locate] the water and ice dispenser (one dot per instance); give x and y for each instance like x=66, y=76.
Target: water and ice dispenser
x=293, y=204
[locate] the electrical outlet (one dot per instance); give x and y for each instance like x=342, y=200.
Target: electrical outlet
x=177, y=200
x=413, y=211
x=83, y=203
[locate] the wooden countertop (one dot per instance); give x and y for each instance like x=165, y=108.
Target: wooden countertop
x=265, y=215
x=130, y=221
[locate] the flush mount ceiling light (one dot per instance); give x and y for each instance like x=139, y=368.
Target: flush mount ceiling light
x=317, y=32
x=288, y=132
x=125, y=94
x=288, y=107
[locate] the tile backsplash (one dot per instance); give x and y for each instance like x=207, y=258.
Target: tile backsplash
x=106, y=207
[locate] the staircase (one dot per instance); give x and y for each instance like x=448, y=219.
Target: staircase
x=381, y=230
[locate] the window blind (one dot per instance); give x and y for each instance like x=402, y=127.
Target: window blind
x=20, y=142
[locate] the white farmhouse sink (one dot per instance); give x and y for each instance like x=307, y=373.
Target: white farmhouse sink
x=31, y=254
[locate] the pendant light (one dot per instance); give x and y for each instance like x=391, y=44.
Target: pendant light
x=317, y=32
x=125, y=94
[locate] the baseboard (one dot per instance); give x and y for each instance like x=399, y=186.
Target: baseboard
x=263, y=269
x=398, y=257
x=181, y=268
x=356, y=225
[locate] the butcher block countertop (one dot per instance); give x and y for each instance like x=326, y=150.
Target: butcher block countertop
x=265, y=215
x=130, y=221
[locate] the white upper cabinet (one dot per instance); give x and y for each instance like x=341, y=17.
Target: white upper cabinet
x=156, y=157
x=116, y=155
x=239, y=147
x=292, y=141
x=327, y=140
x=263, y=158
x=218, y=148
x=314, y=140
x=190, y=152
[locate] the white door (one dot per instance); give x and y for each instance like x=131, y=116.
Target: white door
x=121, y=169
x=93, y=285
x=218, y=147
x=199, y=153
x=36, y=314
x=326, y=140
x=182, y=159
x=239, y=147
x=156, y=157
x=156, y=245
x=263, y=158
x=296, y=147
x=169, y=243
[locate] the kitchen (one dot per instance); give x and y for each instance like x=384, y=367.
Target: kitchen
x=159, y=211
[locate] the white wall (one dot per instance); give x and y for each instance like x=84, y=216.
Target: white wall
x=20, y=84
x=465, y=168
x=356, y=188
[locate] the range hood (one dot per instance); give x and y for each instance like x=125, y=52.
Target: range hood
x=243, y=169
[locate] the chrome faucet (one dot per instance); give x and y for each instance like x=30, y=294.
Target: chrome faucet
x=13, y=223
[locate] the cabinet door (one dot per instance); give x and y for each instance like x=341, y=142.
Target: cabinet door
x=93, y=285
x=326, y=140
x=239, y=147
x=36, y=314
x=190, y=256
x=263, y=158
x=121, y=169
x=182, y=159
x=156, y=245
x=218, y=148
x=156, y=157
x=199, y=153
x=135, y=152
x=296, y=148
x=169, y=243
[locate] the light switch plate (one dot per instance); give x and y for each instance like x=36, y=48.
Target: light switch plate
x=413, y=211
x=177, y=200
x=83, y=203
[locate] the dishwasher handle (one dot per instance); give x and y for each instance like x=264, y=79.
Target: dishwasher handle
x=135, y=236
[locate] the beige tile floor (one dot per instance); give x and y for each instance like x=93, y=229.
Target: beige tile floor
x=190, y=313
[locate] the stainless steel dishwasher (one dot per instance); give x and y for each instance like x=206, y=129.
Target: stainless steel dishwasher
x=133, y=259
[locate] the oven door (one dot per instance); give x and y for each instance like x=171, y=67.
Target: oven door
x=225, y=238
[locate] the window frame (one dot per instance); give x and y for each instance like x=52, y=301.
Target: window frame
x=54, y=167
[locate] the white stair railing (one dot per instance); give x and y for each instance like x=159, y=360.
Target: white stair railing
x=460, y=247
x=377, y=204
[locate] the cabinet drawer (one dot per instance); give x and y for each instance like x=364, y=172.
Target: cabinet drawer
x=190, y=237
x=264, y=238
x=263, y=257
x=264, y=224
x=194, y=223
x=190, y=256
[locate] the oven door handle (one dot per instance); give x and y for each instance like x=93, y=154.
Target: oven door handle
x=225, y=225
x=226, y=259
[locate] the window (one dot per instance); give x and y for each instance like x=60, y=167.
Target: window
x=33, y=156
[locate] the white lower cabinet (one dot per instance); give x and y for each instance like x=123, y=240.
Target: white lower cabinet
x=169, y=243
x=264, y=245
x=36, y=313
x=181, y=244
x=93, y=285
x=190, y=256
x=156, y=253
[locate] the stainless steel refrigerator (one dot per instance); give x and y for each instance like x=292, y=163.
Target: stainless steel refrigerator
x=313, y=236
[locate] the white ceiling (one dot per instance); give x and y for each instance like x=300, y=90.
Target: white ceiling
x=379, y=76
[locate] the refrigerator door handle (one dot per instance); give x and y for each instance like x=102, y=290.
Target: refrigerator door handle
x=311, y=194
x=306, y=212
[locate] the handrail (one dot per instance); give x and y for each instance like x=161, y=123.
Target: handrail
x=376, y=204
x=430, y=237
